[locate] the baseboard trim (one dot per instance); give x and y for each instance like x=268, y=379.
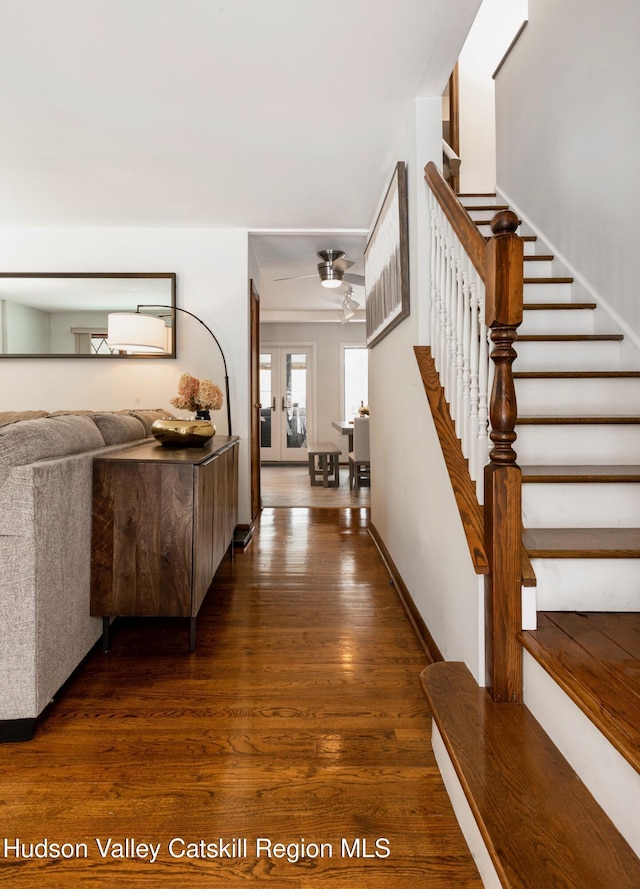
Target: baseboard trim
x=420, y=628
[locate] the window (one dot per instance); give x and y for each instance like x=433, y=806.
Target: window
x=355, y=374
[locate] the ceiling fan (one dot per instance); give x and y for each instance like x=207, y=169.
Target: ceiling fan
x=332, y=270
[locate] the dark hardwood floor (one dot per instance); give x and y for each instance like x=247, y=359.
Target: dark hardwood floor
x=287, y=485
x=299, y=719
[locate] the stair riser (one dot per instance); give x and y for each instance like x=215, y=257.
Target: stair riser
x=581, y=505
x=540, y=268
x=567, y=355
x=469, y=201
x=557, y=321
x=587, y=584
x=578, y=444
x=566, y=397
x=556, y=292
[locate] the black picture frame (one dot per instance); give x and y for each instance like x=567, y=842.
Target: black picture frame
x=386, y=262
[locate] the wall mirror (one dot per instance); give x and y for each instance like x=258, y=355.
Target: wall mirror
x=64, y=314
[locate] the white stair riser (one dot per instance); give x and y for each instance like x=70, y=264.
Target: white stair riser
x=483, y=200
x=587, y=584
x=541, y=321
x=564, y=397
x=581, y=505
x=577, y=444
x=531, y=248
x=567, y=355
x=539, y=268
x=556, y=292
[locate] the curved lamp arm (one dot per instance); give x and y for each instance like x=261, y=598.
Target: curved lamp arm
x=206, y=326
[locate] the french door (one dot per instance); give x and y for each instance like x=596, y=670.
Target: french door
x=286, y=387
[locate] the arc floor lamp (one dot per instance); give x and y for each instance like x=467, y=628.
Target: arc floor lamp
x=137, y=332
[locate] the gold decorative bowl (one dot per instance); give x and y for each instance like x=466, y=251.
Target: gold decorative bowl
x=183, y=433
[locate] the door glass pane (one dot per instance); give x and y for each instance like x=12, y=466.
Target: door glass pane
x=265, y=400
x=356, y=380
x=296, y=399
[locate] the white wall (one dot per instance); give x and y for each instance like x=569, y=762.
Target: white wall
x=568, y=133
x=495, y=26
x=412, y=502
x=211, y=267
x=327, y=337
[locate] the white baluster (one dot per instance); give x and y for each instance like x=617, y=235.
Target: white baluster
x=483, y=386
x=474, y=396
x=466, y=339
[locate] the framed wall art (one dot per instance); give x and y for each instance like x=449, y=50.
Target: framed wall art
x=386, y=262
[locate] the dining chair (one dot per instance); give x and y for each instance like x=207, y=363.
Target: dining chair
x=359, y=457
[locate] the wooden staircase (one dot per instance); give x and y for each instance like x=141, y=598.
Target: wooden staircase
x=578, y=443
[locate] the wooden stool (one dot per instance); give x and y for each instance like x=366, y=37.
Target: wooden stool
x=325, y=470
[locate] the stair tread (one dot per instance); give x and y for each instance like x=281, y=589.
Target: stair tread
x=582, y=543
x=570, y=337
x=495, y=207
x=539, y=257
x=562, y=279
x=540, y=824
x=576, y=374
x=573, y=474
x=595, y=658
x=560, y=307
x=528, y=238
x=610, y=420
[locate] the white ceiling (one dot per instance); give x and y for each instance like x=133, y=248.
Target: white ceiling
x=263, y=115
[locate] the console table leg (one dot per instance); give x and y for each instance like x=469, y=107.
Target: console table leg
x=105, y=634
x=192, y=634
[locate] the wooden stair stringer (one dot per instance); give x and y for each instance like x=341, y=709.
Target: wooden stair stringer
x=457, y=465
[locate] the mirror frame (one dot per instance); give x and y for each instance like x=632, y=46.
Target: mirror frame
x=170, y=311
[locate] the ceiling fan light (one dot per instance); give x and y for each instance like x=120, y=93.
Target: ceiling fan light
x=331, y=282
x=350, y=304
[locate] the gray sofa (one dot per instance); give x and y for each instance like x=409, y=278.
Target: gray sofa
x=46, y=464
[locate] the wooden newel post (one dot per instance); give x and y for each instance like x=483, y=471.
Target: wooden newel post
x=503, y=479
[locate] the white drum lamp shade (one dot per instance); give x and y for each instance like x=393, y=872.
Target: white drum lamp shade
x=129, y=332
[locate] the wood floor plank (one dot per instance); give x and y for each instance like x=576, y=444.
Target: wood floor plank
x=299, y=715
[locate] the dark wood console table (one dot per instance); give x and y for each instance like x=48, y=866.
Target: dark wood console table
x=163, y=519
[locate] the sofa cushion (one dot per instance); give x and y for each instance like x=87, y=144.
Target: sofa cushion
x=118, y=428
x=7, y=417
x=29, y=440
x=148, y=417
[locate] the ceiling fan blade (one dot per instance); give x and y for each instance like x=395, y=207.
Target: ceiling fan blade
x=354, y=279
x=294, y=277
x=341, y=264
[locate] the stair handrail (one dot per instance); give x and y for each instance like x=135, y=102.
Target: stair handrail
x=477, y=290
x=450, y=159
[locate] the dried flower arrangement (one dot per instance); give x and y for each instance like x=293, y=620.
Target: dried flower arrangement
x=197, y=395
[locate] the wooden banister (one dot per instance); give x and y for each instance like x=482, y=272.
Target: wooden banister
x=470, y=238
x=462, y=311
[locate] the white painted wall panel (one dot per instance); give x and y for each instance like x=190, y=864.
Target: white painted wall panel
x=567, y=133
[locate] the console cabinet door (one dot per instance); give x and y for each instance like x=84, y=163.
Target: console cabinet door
x=142, y=539
x=216, y=516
